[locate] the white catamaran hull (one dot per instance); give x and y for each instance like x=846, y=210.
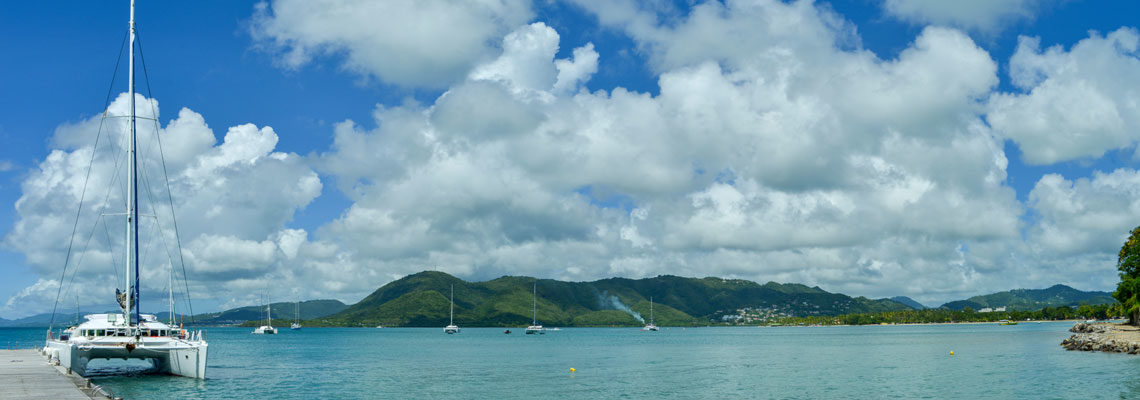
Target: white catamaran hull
x=175, y=357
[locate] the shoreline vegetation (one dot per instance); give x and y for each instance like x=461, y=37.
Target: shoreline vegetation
x=910, y=317
x=942, y=315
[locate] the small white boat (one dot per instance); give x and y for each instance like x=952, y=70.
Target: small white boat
x=650, y=326
x=451, y=328
x=534, y=327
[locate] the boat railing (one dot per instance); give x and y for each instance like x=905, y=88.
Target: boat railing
x=19, y=345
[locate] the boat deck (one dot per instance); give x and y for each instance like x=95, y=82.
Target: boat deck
x=25, y=374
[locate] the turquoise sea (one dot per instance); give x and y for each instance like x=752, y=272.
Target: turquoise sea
x=861, y=362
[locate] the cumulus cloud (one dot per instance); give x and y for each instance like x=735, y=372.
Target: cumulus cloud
x=775, y=150
x=1073, y=105
x=1084, y=221
x=790, y=160
x=428, y=43
x=976, y=15
x=233, y=200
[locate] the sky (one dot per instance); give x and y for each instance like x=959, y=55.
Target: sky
x=320, y=149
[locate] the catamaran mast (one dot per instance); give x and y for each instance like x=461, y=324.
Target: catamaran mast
x=170, y=284
x=451, y=321
x=133, y=195
x=534, y=305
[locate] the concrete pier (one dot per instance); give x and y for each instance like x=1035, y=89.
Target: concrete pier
x=25, y=374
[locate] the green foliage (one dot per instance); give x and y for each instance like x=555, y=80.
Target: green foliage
x=1129, y=261
x=421, y=300
x=1128, y=290
x=943, y=315
x=606, y=318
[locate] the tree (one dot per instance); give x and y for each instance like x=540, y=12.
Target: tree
x=1085, y=311
x=1128, y=290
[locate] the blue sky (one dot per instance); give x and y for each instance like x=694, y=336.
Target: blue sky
x=873, y=148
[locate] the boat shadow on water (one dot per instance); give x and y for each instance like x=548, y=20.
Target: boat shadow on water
x=121, y=368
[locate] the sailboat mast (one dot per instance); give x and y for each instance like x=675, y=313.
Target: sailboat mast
x=451, y=321
x=170, y=284
x=534, y=304
x=132, y=190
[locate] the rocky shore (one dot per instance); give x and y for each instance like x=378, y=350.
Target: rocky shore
x=1104, y=336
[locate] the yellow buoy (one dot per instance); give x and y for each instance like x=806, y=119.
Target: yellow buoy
x=572, y=370
x=951, y=352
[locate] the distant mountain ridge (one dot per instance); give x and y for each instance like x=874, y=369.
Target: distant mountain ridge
x=1033, y=299
x=422, y=300
x=909, y=302
x=309, y=309
x=281, y=311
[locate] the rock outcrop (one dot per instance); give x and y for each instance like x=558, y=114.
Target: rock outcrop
x=1105, y=337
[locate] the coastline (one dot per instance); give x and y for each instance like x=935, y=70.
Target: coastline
x=1104, y=336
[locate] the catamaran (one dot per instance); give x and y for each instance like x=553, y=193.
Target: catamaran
x=129, y=333
x=451, y=327
x=534, y=326
x=650, y=326
x=296, y=325
x=268, y=328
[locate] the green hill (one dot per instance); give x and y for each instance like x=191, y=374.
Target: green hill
x=1033, y=299
x=909, y=301
x=421, y=300
x=284, y=311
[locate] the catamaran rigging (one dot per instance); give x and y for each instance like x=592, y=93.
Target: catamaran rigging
x=130, y=333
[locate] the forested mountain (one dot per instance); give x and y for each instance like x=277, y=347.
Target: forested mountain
x=1033, y=299
x=422, y=300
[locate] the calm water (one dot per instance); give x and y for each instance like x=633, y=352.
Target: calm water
x=990, y=361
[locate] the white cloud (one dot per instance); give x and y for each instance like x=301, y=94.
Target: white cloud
x=233, y=201
x=1075, y=105
x=775, y=150
x=7, y=165
x=576, y=71
x=984, y=16
x=1082, y=224
x=792, y=160
x=429, y=43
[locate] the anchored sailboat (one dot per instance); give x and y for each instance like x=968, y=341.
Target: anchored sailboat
x=650, y=326
x=268, y=328
x=451, y=327
x=534, y=326
x=130, y=334
x=296, y=325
